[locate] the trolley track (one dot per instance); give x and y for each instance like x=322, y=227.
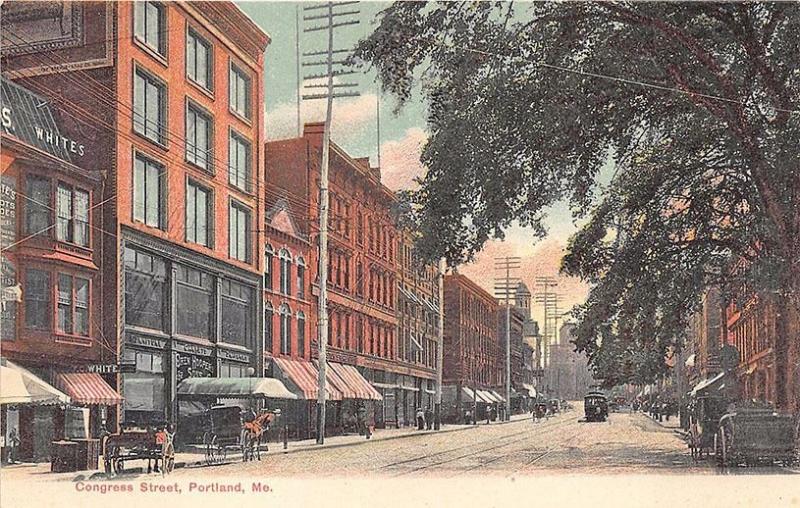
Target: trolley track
x=508, y=440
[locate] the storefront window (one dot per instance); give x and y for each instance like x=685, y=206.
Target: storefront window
x=194, y=302
x=145, y=289
x=237, y=313
x=228, y=369
x=143, y=390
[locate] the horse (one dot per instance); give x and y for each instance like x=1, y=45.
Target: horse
x=252, y=433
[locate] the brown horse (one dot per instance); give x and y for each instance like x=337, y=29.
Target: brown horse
x=253, y=432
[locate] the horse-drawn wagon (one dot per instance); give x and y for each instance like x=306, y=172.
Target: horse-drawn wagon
x=153, y=444
x=751, y=435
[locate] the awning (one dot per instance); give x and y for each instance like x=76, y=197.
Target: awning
x=530, y=388
x=358, y=387
x=471, y=395
x=497, y=396
x=305, y=376
x=690, y=360
x=88, y=388
x=707, y=383
x=234, y=387
x=20, y=386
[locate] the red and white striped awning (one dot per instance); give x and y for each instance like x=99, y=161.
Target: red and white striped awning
x=87, y=388
x=357, y=386
x=304, y=375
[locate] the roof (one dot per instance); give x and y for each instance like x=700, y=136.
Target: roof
x=88, y=388
x=522, y=289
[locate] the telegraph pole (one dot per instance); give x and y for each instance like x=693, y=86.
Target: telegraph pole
x=330, y=93
x=505, y=288
x=546, y=298
x=437, y=408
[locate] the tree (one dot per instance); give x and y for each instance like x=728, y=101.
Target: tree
x=693, y=106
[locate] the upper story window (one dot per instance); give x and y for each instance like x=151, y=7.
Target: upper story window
x=37, y=206
x=239, y=162
x=199, y=214
x=286, y=263
x=301, y=333
x=194, y=295
x=239, y=91
x=199, y=137
x=149, y=107
x=239, y=229
x=199, y=60
x=268, y=313
x=37, y=299
x=237, y=313
x=286, y=329
x=150, y=25
x=146, y=289
x=301, y=277
x=269, y=256
x=72, y=223
x=73, y=305
x=149, y=192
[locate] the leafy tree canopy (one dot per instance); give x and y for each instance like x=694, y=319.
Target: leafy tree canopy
x=695, y=104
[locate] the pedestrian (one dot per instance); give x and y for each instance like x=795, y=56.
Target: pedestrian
x=13, y=442
x=428, y=418
x=420, y=419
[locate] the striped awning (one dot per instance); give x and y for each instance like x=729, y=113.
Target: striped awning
x=358, y=387
x=87, y=388
x=496, y=396
x=305, y=377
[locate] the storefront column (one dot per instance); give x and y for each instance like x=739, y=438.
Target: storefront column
x=171, y=370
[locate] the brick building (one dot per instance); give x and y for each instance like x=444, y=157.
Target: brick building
x=170, y=93
x=473, y=360
x=520, y=374
x=52, y=298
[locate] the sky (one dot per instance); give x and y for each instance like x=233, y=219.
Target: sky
x=402, y=136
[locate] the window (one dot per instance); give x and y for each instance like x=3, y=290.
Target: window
x=269, y=255
x=199, y=214
x=239, y=91
x=144, y=390
x=199, y=137
x=145, y=289
x=151, y=25
x=239, y=232
x=301, y=333
x=239, y=162
x=286, y=263
x=301, y=278
x=194, y=305
x=360, y=229
x=37, y=299
x=237, y=313
x=199, y=60
x=72, y=208
x=286, y=331
x=268, y=330
x=148, y=192
x=73, y=305
x=37, y=206
x=149, y=107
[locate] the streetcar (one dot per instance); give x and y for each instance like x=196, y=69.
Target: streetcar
x=595, y=406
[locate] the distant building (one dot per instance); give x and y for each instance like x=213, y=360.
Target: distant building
x=568, y=373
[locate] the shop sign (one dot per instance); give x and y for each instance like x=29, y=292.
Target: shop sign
x=192, y=348
x=141, y=340
x=28, y=117
x=11, y=294
x=233, y=355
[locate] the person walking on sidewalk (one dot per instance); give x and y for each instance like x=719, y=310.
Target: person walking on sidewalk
x=420, y=419
x=428, y=418
x=13, y=443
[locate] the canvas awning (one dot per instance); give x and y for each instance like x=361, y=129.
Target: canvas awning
x=88, y=388
x=690, y=361
x=530, y=388
x=358, y=387
x=707, y=383
x=234, y=387
x=488, y=395
x=304, y=377
x=20, y=386
x=497, y=396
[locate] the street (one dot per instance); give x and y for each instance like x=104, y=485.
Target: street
x=626, y=443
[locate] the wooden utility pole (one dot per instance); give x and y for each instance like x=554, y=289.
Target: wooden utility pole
x=330, y=15
x=505, y=288
x=437, y=408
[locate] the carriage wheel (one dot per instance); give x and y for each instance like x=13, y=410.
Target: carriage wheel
x=726, y=448
x=118, y=466
x=211, y=448
x=168, y=459
x=222, y=453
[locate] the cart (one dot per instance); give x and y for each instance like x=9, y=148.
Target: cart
x=156, y=446
x=752, y=435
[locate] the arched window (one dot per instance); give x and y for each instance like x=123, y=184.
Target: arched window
x=301, y=277
x=301, y=333
x=269, y=255
x=268, y=326
x=286, y=331
x=286, y=262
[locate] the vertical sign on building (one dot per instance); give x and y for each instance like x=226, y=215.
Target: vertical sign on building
x=8, y=274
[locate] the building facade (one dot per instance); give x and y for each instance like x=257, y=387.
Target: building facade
x=569, y=375
x=473, y=361
x=171, y=94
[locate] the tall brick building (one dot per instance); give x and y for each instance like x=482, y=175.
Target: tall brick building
x=473, y=362
x=170, y=94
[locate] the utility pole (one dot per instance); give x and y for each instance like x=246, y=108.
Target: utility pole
x=437, y=408
x=546, y=298
x=504, y=288
x=330, y=15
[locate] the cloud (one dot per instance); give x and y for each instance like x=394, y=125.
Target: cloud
x=400, y=162
x=353, y=118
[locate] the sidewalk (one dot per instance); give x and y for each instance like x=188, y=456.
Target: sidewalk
x=41, y=471
x=674, y=424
